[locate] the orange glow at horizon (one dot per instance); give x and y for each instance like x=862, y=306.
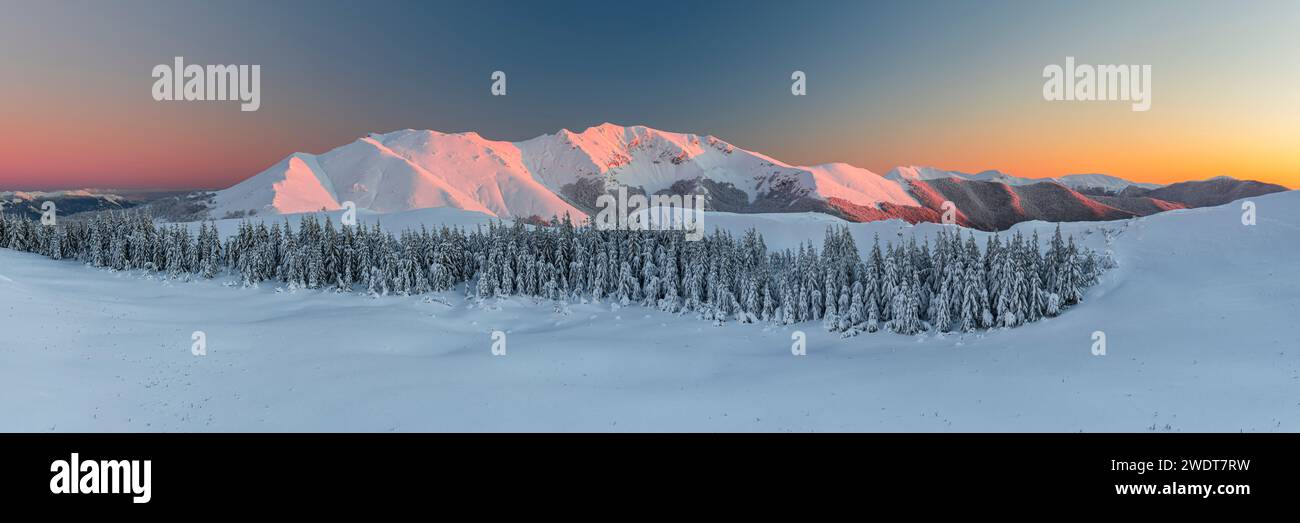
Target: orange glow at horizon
x=888, y=84
x=147, y=144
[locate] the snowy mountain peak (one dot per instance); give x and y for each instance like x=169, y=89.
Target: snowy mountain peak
x=903, y=174
x=565, y=173
x=1104, y=182
x=552, y=174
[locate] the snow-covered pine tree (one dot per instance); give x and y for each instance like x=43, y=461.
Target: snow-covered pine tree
x=1072, y=275
x=578, y=276
x=487, y=280
x=770, y=305
x=843, y=305
x=906, y=306
x=650, y=278
x=625, y=284
x=857, y=315
x=1052, y=263
x=600, y=276
x=671, y=300
x=973, y=307
x=888, y=285
x=507, y=277
x=831, y=319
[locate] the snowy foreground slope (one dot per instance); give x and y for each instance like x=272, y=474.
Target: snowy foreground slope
x=1197, y=319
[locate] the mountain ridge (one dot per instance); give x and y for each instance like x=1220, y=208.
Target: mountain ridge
x=564, y=173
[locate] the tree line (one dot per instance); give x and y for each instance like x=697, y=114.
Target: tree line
x=948, y=283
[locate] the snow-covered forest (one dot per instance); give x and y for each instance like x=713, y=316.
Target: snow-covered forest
x=946, y=283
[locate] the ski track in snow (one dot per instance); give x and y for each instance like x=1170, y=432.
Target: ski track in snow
x=1197, y=319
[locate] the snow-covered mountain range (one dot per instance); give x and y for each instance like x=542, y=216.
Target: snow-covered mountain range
x=29, y=203
x=549, y=175
x=565, y=172
x=1104, y=182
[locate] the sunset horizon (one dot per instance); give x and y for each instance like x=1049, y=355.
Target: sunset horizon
x=962, y=91
x=1043, y=175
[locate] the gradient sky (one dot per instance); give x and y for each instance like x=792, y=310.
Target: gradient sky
x=954, y=84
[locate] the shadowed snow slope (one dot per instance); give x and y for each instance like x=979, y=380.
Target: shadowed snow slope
x=1197, y=318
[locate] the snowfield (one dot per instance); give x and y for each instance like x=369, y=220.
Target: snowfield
x=1198, y=320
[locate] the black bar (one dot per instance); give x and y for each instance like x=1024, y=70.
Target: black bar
x=236, y=470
